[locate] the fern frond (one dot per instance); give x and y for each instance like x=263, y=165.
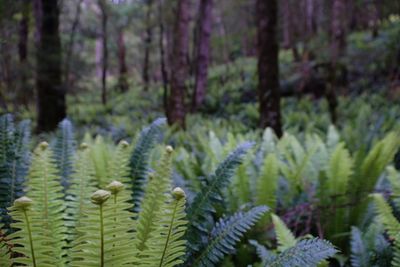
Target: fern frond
x=394, y=179
x=359, y=254
x=203, y=204
x=118, y=169
x=267, y=183
x=153, y=201
x=308, y=252
x=5, y=249
x=166, y=246
x=262, y=252
x=14, y=162
x=64, y=149
x=284, y=236
x=82, y=184
x=225, y=234
x=44, y=188
x=106, y=238
x=101, y=155
x=139, y=160
x=385, y=215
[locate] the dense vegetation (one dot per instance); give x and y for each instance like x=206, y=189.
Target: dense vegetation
x=200, y=133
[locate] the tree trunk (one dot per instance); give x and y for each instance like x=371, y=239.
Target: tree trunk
x=164, y=72
x=147, y=43
x=176, y=109
x=104, y=59
x=203, y=53
x=70, y=48
x=338, y=31
x=123, y=69
x=24, y=94
x=268, y=68
x=51, y=94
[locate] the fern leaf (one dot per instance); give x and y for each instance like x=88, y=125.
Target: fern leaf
x=155, y=197
x=225, y=234
x=101, y=156
x=202, y=205
x=385, y=215
x=166, y=246
x=64, y=149
x=308, y=252
x=118, y=169
x=359, y=255
x=284, y=236
x=262, y=252
x=268, y=182
x=139, y=160
x=5, y=249
x=394, y=179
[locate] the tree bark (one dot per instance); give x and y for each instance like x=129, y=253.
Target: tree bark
x=25, y=93
x=123, y=69
x=268, y=68
x=70, y=48
x=338, y=31
x=176, y=109
x=104, y=59
x=203, y=53
x=147, y=43
x=164, y=73
x=51, y=94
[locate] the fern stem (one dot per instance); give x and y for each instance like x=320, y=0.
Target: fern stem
x=28, y=225
x=101, y=237
x=169, y=233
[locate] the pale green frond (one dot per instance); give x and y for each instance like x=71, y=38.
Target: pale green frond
x=284, y=236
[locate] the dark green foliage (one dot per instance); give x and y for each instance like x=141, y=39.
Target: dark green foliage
x=226, y=234
x=139, y=161
x=14, y=162
x=308, y=252
x=202, y=208
x=64, y=150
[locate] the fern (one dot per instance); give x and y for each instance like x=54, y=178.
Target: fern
x=267, y=183
x=5, y=249
x=64, y=149
x=308, y=252
x=119, y=166
x=139, y=160
x=359, y=254
x=105, y=238
x=225, y=234
x=155, y=197
x=101, y=156
x=14, y=162
x=166, y=246
x=394, y=179
x=82, y=184
x=284, y=236
x=202, y=207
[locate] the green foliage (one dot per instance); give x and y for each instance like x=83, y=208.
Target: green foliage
x=284, y=236
x=64, y=149
x=225, y=234
x=139, y=161
x=14, y=162
x=308, y=252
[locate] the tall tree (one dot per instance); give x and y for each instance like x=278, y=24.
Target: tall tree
x=268, y=68
x=104, y=58
x=148, y=38
x=203, y=53
x=50, y=91
x=123, y=68
x=179, y=66
x=338, y=29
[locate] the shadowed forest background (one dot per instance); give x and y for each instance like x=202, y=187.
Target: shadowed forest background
x=284, y=117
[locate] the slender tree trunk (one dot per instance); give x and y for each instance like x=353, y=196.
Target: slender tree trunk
x=24, y=93
x=51, y=94
x=147, y=45
x=123, y=69
x=164, y=72
x=104, y=59
x=203, y=53
x=176, y=109
x=38, y=13
x=338, y=31
x=70, y=47
x=268, y=68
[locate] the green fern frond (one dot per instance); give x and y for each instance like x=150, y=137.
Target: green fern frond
x=385, y=215
x=45, y=190
x=82, y=184
x=14, y=162
x=359, y=254
x=262, y=252
x=308, y=252
x=118, y=169
x=166, y=246
x=32, y=238
x=64, y=149
x=5, y=249
x=155, y=197
x=101, y=156
x=267, y=183
x=284, y=236
x=203, y=204
x=139, y=160
x=394, y=179
x=225, y=234
x=105, y=237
